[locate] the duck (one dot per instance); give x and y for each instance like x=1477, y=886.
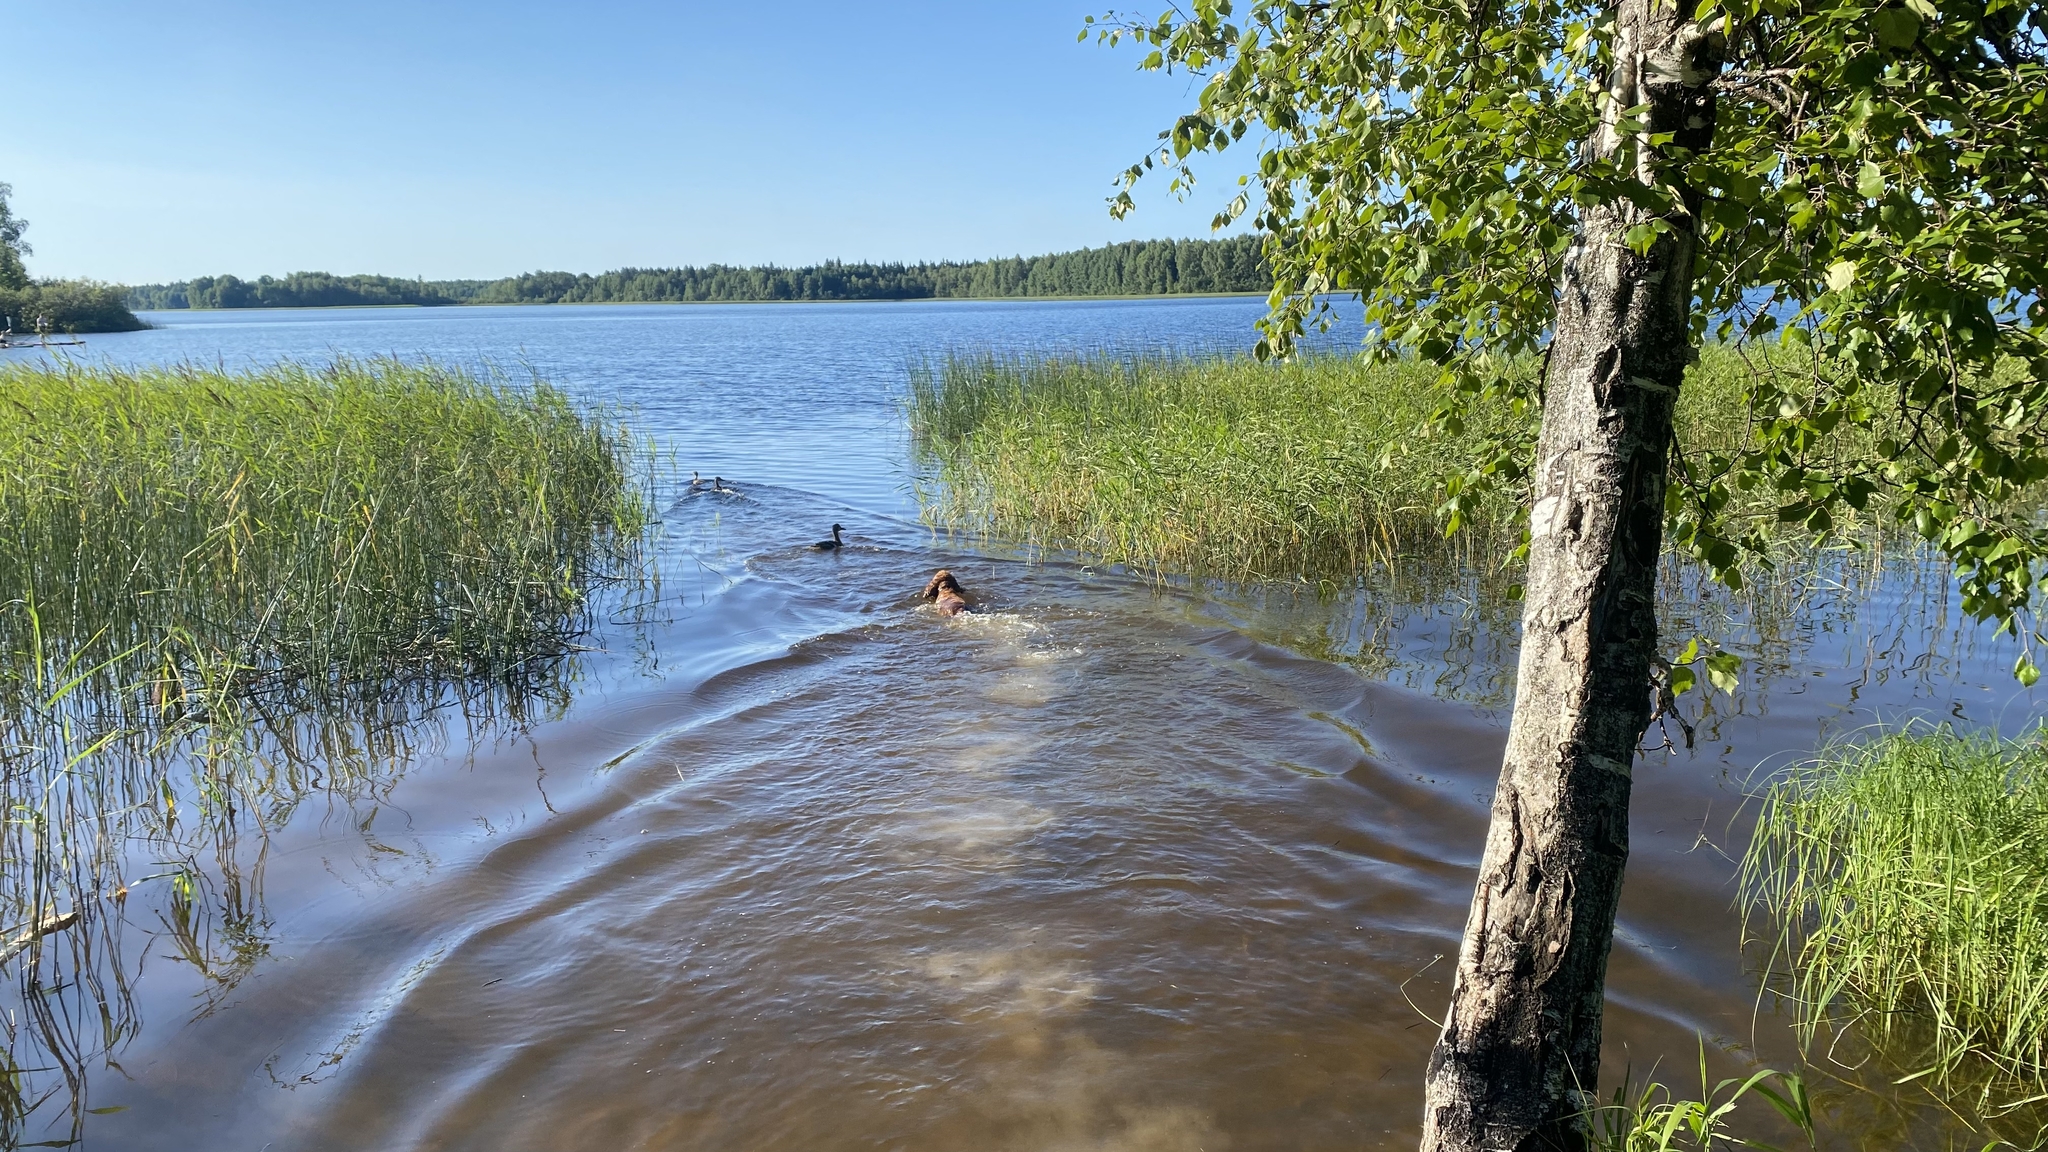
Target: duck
x=718, y=484
x=696, y=481
x=834, y=542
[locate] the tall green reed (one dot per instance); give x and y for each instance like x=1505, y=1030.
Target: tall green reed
x=327, y=522
x=1319, y=467
x=223, y=592
x=1905, y=882
x=1227, y=468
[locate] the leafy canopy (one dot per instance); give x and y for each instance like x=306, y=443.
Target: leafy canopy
x=12, y=247
x=1874, y=227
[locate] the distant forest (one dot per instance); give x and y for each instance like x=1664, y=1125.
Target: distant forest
x=1133, y=268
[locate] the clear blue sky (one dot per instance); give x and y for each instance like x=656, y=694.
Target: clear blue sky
x=152, y=141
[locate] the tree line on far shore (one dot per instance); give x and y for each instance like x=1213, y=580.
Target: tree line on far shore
x=1132, y=268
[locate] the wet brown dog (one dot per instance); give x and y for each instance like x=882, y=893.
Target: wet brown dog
x=945, y=593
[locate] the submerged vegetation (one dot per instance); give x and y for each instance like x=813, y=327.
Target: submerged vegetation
x=1650, y=1117
x=222, y=592
x=1907, y=878
x=1132, y=268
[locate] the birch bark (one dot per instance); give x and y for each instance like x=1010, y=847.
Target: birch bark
x=1517, y=1064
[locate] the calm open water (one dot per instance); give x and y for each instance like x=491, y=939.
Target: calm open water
x=803, y=866
x=798, y=394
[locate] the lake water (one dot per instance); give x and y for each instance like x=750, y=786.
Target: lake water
x=802, y=865
x=804, y=395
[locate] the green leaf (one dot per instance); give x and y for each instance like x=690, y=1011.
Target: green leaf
x=1897, y=28
x=1682, y=681
x=1841, y=274
x=1724, y=671
x=2025, y=671
x=1870, y=181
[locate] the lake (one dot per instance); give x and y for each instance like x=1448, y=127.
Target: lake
x=795, y=863
x=804, y=395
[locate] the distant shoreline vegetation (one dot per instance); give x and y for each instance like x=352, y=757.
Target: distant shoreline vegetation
x=31, y=306
x=66, y=306
x=1132, y=268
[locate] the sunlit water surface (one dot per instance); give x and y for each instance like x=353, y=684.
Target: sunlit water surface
x=803, y=865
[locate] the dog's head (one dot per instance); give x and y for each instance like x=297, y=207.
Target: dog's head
x=941, y=581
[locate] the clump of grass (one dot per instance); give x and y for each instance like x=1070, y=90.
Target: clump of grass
x=358, y=520
x=223, y=592
x=1908, y=879
x=1229, y=467
x=1653, y=1118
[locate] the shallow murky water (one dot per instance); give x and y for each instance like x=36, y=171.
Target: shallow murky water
x=1099, y=866
x=1090, y=868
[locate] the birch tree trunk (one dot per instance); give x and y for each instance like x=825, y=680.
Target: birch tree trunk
x=1519, y=1058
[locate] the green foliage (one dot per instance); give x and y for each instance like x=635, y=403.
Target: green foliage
x=1876, y=198
x=300, y=290
x=300, y=526
x=67, y=306
x=1908, y=880
x=1244, y=469
x=1652, y=1119
x=1133, y=268
x=13, y=276
x=28, y=305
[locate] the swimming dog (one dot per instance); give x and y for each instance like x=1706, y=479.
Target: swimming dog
x=945, y=594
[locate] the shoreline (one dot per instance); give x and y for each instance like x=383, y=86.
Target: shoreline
x=698, y=303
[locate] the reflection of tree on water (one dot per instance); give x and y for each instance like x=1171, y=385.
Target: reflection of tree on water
x=148, y=814
x=1873, y=633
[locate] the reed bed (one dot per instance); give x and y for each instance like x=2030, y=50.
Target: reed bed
x=349, y=521
x=1906, y=879
x=1229, y=467
x=222, y=592
x=1318, y=467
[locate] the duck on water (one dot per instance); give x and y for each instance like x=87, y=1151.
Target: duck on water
x=833, y=543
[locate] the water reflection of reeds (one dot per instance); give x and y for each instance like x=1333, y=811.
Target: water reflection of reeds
x=161, y=834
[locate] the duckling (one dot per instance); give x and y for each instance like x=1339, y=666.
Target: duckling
x=834, y=542
x=696, y=481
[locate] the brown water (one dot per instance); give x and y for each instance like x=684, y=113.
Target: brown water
x=811, y=867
